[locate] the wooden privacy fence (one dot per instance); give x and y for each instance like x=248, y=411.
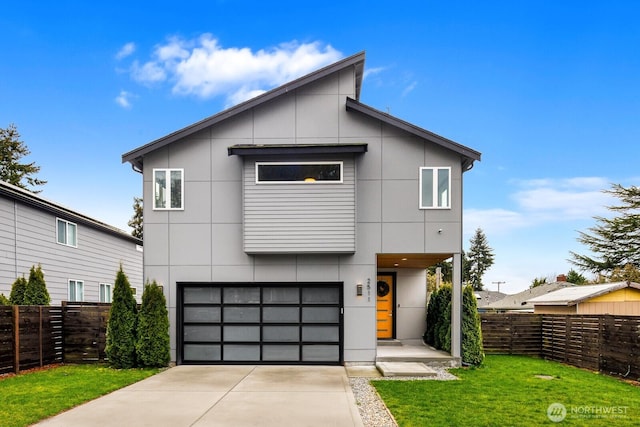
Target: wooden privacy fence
x=85, y=331
x=605, y=343
x=32, y=336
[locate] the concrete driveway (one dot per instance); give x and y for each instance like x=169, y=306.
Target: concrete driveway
x=225, y=396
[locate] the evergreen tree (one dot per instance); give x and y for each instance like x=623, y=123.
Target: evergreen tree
x=472, y=350
x=442, y=332
x=12, y=149
x=615, y=242
x=136, y=221
x=4, y=300
x=576, y=278
x=152, y=347
x=18, y=289
x=36, y=292
x=433, y=311
x=121, y=328
x=627, y=274
x=537, y=282
x=480, y=259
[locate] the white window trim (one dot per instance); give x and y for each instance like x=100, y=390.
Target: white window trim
x=339, y=162
x=168, y=178
x=76, y=285
x=434, y=192
x=66, y=230
x=100, y=285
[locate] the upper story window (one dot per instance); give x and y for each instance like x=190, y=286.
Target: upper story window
x=435, y=188
x=66, y=233
x=168, y=186
x=298, y=172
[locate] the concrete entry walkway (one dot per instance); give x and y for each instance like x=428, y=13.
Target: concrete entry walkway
x=222, y=396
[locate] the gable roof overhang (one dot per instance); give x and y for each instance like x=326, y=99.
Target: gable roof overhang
x=135, y=157
x=31, y=199
x=576, y=295
x=284, y=149
x=468, y=155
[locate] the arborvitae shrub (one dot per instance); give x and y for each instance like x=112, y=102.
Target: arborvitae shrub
x=4, y=300
x=121, y=328
x=442, y=333
x=472, y=351
x=432, y=318
x=152, y=347
x=18, y=289
x=36, y=292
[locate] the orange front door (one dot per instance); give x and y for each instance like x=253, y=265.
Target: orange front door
x=384, y=305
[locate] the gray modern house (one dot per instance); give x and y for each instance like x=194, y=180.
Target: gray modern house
x=296, y=227
x=79, y=255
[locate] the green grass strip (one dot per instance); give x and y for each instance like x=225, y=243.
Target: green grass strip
x=513, y=391
x=31, y=397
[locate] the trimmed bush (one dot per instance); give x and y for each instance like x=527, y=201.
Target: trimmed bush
x=472, y=351
x=442, y=333
x=432, y=318
x=19, y=287
x=152, y=346
x=4, y=300
x=121, y=328
x=36, y=291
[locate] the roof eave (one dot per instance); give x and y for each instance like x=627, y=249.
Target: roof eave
x=135, y=157
x=468, y=155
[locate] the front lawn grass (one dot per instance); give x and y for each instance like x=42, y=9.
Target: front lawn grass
x=30, y=397
x=513, y=391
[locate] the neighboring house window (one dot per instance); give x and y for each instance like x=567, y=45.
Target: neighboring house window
x=76, y=290
x=66, y=233
x=168, y=185
x=435, y=188
x=105, y=292
x=298, y=172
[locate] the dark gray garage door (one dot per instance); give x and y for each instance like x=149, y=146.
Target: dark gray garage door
x=270, y=323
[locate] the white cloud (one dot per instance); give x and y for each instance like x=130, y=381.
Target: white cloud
x=124, y=99
x=203, y=68
x=409, y=88
x=543, y=201
x=126, y=50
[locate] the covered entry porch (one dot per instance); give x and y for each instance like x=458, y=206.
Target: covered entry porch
x=401, y=299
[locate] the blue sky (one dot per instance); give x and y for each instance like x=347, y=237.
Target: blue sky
x=548, y=91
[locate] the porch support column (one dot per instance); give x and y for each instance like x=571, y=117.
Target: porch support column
x=456, y=307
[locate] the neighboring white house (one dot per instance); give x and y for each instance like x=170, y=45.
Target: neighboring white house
x=297, y=227
x=79, y=255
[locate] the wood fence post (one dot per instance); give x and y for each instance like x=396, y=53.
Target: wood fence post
x=40, y=334
x=16, y=339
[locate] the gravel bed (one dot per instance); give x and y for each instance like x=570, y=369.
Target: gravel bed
x=373, y=411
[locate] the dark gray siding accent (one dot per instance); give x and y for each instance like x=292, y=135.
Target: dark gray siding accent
x=299, y=218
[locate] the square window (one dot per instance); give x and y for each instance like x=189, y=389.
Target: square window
x=435, y=188
x=66, y=233
x=168, y=188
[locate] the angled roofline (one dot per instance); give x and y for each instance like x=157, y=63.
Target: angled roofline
x=469, y=155
x=604, y=291
x=135, y=156
x=33, y=200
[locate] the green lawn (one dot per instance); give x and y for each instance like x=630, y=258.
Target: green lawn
x=31, y=397
x=507, y=391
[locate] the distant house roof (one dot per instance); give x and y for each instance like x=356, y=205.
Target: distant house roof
x=520, y=301
x=32, y=199
x=136, y=156
x=485, y=298
x=577, y=294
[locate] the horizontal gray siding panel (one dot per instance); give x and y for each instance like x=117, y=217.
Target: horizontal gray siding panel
x=299, y=218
